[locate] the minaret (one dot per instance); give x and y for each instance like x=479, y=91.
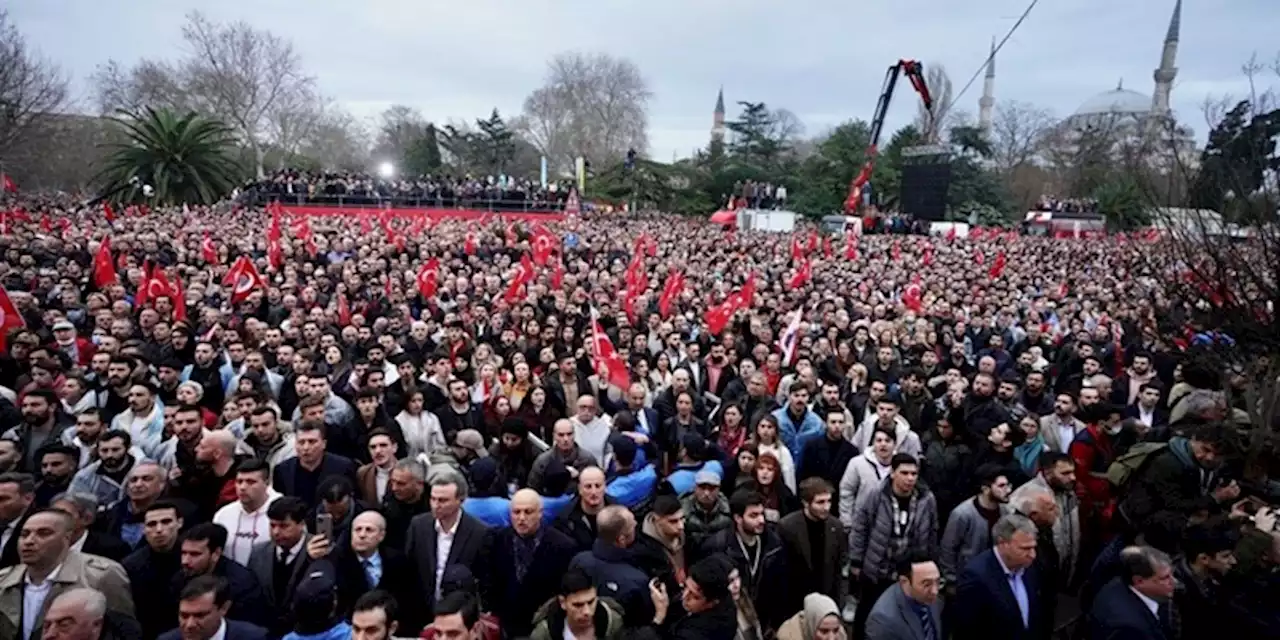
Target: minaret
x=717, y=118
x=988, y=100
x=1165, y=74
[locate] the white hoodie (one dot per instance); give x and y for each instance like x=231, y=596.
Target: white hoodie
x=862, y=477
x=907, y=440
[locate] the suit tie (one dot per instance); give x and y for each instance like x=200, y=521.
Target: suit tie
x=926, y=624
x=368, y=573
x=280, y=576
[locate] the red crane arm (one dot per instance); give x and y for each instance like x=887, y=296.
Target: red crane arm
x=915, y=74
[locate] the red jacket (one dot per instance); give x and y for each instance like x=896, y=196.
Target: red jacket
x=85, y=348
x=1093, y=453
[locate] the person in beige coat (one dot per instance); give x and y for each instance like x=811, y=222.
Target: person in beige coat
x=47, y=559
x=819, y=614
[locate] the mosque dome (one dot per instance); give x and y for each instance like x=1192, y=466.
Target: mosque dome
x=1117, y=102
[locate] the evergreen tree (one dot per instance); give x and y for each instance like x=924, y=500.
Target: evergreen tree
x=496, y=143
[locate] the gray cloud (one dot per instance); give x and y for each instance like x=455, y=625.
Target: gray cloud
x=822, y=59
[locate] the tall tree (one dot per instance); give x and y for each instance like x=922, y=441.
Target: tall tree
x=933, y=124
x=183, y=158
x=1240, y=155
x=1017, y=134
x=339, y=141
x=496, y=143
x=233, y=72
x=31, y=90
x=593, y=105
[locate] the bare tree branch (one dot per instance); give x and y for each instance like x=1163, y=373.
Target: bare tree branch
x=31, y=89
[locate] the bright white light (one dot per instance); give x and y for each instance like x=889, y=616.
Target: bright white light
x=386, y=169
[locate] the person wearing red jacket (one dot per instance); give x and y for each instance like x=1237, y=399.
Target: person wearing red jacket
x=79, y=350
x=1093, y=451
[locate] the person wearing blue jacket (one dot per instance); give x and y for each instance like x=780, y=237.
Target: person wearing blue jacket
x=797, y=424
x=487, y=502
x=693, y=454
x=631, y=481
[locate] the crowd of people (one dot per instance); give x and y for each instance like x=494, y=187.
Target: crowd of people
x=1055, y=204
x=354, y=189
x=233, y=423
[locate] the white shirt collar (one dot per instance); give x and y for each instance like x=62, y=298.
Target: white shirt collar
x=221, y=633
x=1004, y=567
x=452, y=530
x=48, y=581
x=1152, y=605
x=78, y=545
x=292, y=552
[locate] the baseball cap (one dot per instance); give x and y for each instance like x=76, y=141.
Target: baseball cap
x=471, y=439
x=706, y=478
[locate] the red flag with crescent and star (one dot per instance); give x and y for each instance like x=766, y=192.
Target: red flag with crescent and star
x=608, y=362
x=9, y=319
x=429, y=278
x=104, y=269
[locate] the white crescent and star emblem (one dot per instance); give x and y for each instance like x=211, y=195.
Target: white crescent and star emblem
x=155, y=288
x=207, y=245
x=244, y=284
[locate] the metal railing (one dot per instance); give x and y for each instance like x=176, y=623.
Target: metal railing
x=376, y=201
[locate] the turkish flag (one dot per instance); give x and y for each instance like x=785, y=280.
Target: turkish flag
x=797, y=250
x=243, y=278
x=522, y=276
x=207, y=250
x=469, y=247
x=429, y=278
x=557, y=276
x=997, y=267
x=154, y=285
x=718, y=316
x=672, y=288
x=544, y=243
x=951, y=233
x=850, y=247
x=344, y=311
x=108, y=212
x=606, y=357
x=104, y=269
x=179, y=301
x=9, y=187
x=9, y=318
x=802, y=276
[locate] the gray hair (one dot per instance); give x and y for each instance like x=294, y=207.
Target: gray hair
x=195, y=387
x=415, y=468
x=92, y=601
x=1200, y=401
x=454, y=478
x=86, y=504
x=1010, y=524
x=1142, y=562
x=1100, y=380
x=1025, y=501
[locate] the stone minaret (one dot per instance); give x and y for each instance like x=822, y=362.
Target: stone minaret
x=988, y=101
x=717, y=118
x=1165, y=74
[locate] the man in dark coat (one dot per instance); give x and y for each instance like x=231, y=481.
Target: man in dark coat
x=756, y=551
x=470, y=537
x=815, y=547
x=365, y=564
x=829, y=456
x=998, y=595
x=525, y=566
x=202, y=554
x=152, y=567
x=1136, y=604
x=712, y=614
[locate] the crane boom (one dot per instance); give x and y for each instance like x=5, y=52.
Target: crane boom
x=914, y=71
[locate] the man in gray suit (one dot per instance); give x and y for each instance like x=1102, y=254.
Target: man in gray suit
x=277, y=563
x=910, y=609
x=443, y=537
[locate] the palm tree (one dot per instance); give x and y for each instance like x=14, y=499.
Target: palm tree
x=183, y=158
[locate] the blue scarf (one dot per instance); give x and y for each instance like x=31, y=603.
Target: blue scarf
x=1028, y=454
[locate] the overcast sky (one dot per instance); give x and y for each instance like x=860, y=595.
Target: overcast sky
x=823, y=59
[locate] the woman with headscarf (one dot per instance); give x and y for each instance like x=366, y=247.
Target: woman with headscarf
x=819, y=620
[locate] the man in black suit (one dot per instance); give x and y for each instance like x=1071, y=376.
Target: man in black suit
x=1136, y=604
x=153, y=565
x=278, y=563
x=202, y=549
x=365, y=564
x=301, y=476
x=83, y=508
x=526, y=565
x=202, y=614
x=17, y=497
x=443, y=537
x=998, y=594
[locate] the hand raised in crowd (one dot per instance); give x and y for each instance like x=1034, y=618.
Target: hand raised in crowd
x=318, y=546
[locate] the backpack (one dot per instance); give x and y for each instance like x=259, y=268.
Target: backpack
x=1124, y=467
